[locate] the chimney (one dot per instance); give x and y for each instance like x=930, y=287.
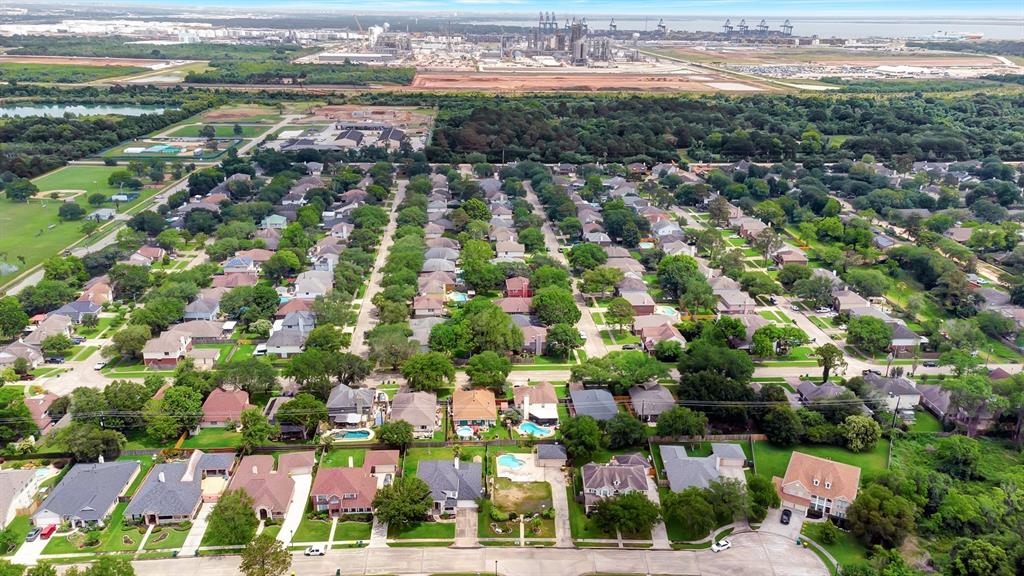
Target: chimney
x=254, y=472
x=456, y=463
x=160, y=477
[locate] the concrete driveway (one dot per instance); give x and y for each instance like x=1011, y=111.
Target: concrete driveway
x=296, y=508
x=29, y=552
x=195, y=534
x=560, y=502
x=465, y=528
x=773, y=525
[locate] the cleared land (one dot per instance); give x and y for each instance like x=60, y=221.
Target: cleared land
x=222, y=131
x=552, y=82
x=82, y=61
x=242, y=114
x=818, y=54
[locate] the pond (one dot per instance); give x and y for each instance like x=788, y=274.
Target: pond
x=58, y=110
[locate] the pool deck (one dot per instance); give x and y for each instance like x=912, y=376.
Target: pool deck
x=528, y=472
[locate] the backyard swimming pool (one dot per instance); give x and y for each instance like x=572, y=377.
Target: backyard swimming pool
x=464, y=432
x=666, y=311
x=356, y=434
x=510, y=461
x=528, y=428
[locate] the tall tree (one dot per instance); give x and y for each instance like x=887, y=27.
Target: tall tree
x=265, y=556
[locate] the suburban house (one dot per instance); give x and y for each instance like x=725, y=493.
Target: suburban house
x=77, y=310
x=99, y=293
x=39, y=407
x=340, y=491
x=938, y=401
x=453, y=484
x=233, y=280
x=810, y=392
x=166, y=350
x=649, y=400
x=897, y=393
x=271, y=236
x=624, y=474
x=202, y=309
x=597, y=403
x=421, y=328
x=271, y=489
x=789, y=256
x=846, y=300
x=651, y=336
x=17, y=487
x=382, y=462
x=258, y=255
x=518, y=287
x=350, y=406
x=223, y=407
x=734, y=302
x=286, y=342
x=87, y=494
x=642, y=302
x=514, y=305
x=52, y=325
x=430, y=305
x=10, y=354
x=474, y=408
x=824, y=486
x=419, y=409
x=293, y=305
x=173, y=491
x=535, y=339
x=684, y=471
x=313, y=283
x=240, y=265
x=537, y=403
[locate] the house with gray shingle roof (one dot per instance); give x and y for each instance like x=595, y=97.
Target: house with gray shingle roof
x=17, y=487
x=594, y=402
x=649, y=400
x=87, y=494
x=624, y=474
x=453, y=484
x=173, y=491
x=347, y=405
x=684, y=471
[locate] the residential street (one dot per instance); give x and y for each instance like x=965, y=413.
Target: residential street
x=752, y=554
x=365, y=320
x=594, y=346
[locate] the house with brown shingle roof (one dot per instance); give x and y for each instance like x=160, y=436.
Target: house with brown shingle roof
x=474, y=408
x=813, y=483
x=224, y=406
x=338, y=491
x=518, y=287
x=418, y=409
x=271, y=489
x=38, y=407
x=514, y=305
x=429, y=305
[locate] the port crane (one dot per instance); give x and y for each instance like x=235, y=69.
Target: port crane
x=787, y=28
x=762, y=28
x=742, y=26
x=727, y=27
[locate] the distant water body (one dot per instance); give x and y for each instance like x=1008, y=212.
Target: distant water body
x=58, y=110
x=823, y=27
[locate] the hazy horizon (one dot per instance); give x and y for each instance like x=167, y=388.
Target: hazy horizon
x=922, y=9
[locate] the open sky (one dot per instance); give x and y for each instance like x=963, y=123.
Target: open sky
x=919, y=8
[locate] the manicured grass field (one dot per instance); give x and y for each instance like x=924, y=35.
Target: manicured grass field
x=925, y=422
x=414, y=455
x=312, y=531
x=435, y=530
x=62, y=73
x=352, y=531
x=214, y=438
x=223, y=131
x=19, y=527
x=174, y=539
x=27, y=231
x=338, y=458
x=846, y=551
x=772, y=460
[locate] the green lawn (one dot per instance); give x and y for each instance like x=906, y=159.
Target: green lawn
x=139, y=439
x=32, y=230
x=414, y=455
x=62, y=73
x=621, y=337
x=224, y=350
x=352, y=531
x=846, y=551
x=312, y=531
x=214, y=438
x=338, y=458
x=434, y=530
x=19, y=527
x=582, y=527
x=168, y=537
x=145, y=463
x=223, y=131
x=924, y=421
x=772, y=460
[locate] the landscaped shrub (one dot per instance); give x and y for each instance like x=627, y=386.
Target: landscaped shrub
x=498, y=515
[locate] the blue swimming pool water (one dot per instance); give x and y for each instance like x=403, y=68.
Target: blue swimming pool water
x=534, y=430
x=458, y=297
x=510, y=461
x=464, y=431
x=357, y=434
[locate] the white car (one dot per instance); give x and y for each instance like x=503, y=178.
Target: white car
x=794, y=308
x=314, y=550
x=721, y=545
x=99, y=366
x=583, y=335
x=823, y=310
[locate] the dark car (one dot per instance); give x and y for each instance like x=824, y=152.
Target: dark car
x=32, y=534
x=930, y=364
x=786, y=514
x=55, y=360
x=870, y=371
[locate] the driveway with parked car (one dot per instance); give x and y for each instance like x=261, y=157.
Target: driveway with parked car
x=774, y=523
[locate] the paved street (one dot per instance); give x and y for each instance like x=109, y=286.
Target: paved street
x=594, y=346
x=366, y=321
x=752, y=554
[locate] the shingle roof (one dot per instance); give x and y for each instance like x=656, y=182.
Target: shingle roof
x=443, y=477
x=596, y=403
x=416, y=408
x=179, y=492
x=89, y=490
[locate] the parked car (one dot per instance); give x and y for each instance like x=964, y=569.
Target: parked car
x=99, y=365
x=870, y=371
x=314, y=550
x=32, y=535
x=583, y=335
x=786, y=515
x=794, y=307
x=930, y=364
x=721, y=545
x=823, y=310
x=48, y=531
x=78, y=339
x=630, y=346
x=55, y=360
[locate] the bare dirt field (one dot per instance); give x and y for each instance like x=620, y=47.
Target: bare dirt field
x=824, y=55
x=79, y=61
x=549, y=82
x=242, y=113
x=396, y=115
